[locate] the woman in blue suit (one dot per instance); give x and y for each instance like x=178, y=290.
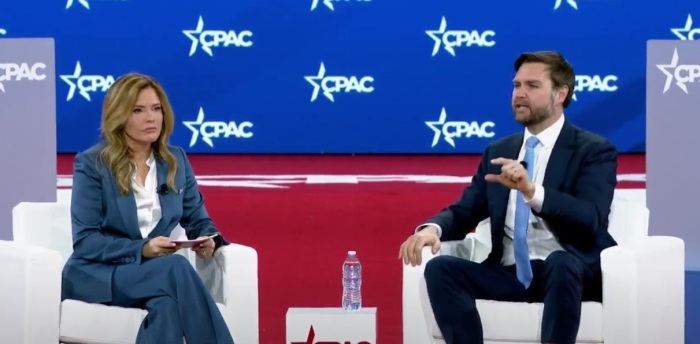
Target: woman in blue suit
x=129, y=192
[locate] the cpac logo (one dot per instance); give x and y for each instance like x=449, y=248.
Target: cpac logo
x=458, y=129
x=213, y=129
x=595, y=83
x=329, y=3
x=312, y=335
x=681, y=73
x=452, y=39
x=216, y=38
x=86, y=84
x=21, y=71
x=335, y=83
x=687, y=33
x=572, y=3
x=85, y=3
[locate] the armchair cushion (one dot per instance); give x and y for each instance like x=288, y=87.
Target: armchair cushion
x=84, y=323
x=523, y=319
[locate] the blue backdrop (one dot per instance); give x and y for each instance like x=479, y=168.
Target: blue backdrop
x=347, y=76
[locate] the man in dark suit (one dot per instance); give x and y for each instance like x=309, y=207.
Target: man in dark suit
x=547, y=192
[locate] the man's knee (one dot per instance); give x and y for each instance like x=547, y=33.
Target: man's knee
x=561, y=266
x=445, y=270
x=437, y=269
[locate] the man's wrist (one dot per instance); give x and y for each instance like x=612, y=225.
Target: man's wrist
x=529, y=191
x=429, y=229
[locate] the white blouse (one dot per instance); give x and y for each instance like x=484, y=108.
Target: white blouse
x=147, y=201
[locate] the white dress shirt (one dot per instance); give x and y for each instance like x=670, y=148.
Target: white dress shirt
x=147, y=201
x=540, y=240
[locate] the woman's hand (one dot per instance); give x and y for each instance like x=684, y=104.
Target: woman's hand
x=160, y=246
x=205, y=249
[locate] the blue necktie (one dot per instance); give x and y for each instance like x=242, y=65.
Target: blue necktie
x=522, y=221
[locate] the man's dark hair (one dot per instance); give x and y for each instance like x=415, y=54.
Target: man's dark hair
x=561, y=73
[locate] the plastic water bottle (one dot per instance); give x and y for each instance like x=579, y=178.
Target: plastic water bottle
x=352, y=282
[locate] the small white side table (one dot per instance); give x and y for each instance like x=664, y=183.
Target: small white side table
x=311, y=325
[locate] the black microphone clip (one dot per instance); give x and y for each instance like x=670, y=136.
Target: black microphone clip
x=524, y=164
x=162, y=189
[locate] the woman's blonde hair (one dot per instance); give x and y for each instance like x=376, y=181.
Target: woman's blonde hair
x=118, y=105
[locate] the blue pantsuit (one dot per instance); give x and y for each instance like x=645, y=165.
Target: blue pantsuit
x=176, y=300
x=108, y=267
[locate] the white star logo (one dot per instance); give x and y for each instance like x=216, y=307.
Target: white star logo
x=436, y=126
x=85, y=3
x=315, y=80
x=436, y=35
x=571, y=3
x=328, y=3
x=682, y=33
x=669, y=75
x=194, y=36
x=194, y=127
x=70, y=80
x=3, y=31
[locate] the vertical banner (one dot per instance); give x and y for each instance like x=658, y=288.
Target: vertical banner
x=28, y=130
x=673, y=123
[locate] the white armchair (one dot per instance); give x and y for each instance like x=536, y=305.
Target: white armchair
x=643, y=290
x=30, y=297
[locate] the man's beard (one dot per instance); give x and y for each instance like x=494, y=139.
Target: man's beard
x=537, y=114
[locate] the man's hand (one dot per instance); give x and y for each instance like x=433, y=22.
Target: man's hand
x=205, y=249
x=160, y=246
x=410, y=250
x=513, y=176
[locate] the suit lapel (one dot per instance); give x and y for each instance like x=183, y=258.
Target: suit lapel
x=561, y=155
x=127, y=209
x=166, y=199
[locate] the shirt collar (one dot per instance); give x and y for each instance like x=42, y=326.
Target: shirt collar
x=548, y=136
x=151, y=160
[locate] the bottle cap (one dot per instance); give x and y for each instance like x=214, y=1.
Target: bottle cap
x=352, y=253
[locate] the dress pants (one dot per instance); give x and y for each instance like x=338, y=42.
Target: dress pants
x=561, y=281
x=178, y=303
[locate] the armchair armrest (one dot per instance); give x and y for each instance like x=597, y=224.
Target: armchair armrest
x=643, y=291
x=232, y=278
x=30, y=293
x=417, y=313
x=415, y=328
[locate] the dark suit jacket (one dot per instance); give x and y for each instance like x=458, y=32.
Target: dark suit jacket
x=105, y=225
x=579, y=184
